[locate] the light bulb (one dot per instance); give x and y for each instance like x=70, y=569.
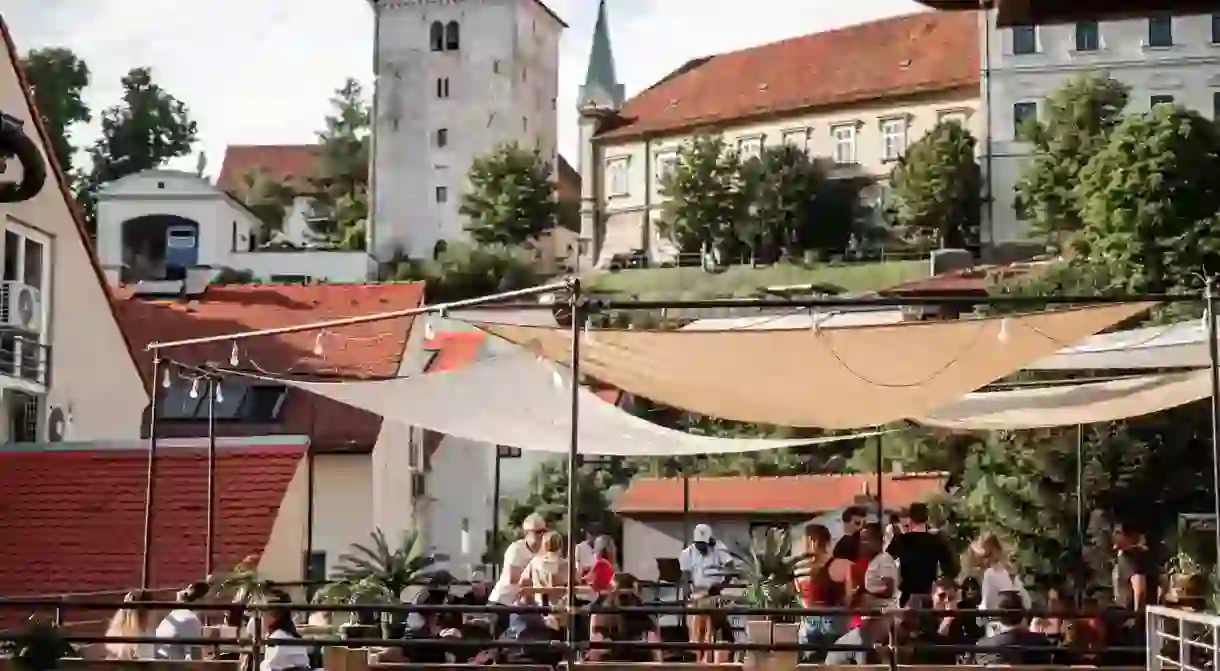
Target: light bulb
x=165, y=380
x=1002, y=336
x=220, y=397
x=195, y=388
x=429, y=330
x=317, y=345
x=234, y=358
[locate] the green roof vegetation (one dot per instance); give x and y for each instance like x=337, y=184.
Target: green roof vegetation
x=692, y=283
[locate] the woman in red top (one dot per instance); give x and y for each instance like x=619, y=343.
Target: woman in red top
x=823, y=581
x=601, y=576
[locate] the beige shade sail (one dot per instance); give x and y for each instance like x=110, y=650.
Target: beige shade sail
x=1070, y=405
x=836, y=378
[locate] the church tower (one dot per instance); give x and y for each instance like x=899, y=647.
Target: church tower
x=599, y=101
x=454, y=79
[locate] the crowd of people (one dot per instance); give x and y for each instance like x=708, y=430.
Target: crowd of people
x=884, y=591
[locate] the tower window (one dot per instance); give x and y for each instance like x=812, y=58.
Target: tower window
x=437, y=37
x=442, y=137
x=442, y=87
x=442, y=194
x=452, y=36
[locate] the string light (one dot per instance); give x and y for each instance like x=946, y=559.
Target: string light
x=429, y=329
x=234, y=355
x=317, y=344
x=195, y=388
x=165, y=380
x=1002, y=336
x=220, y=397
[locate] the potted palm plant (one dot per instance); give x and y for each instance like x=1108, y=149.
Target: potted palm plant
x=767, y=569
x=241, y=586
x=378, y=573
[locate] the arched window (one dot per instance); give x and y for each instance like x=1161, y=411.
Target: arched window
x=438, y=36
x=452, y=36
x=439, y=248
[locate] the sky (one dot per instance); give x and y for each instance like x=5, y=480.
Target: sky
x=263, y=71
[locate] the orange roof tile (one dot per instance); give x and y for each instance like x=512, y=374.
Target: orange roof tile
x=901, y=56
x=793, y=494
x=55, y=171
x=371, y=350
x=454, y=350
x=291, y=163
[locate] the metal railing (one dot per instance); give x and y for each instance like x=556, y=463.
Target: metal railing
x=24, y=356
x=1182, y=640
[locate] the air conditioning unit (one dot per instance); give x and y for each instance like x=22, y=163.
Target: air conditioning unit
x=20, y=307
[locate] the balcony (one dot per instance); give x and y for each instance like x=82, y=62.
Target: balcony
x=24, y=357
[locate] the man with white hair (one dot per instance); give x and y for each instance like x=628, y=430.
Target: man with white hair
x=516, y=558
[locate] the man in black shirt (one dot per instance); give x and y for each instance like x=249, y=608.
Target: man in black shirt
x=1134, y=570
x=853, y=521
x=922, y=555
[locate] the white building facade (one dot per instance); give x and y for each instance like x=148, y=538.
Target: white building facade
x=156, y=225
x=453, y=80
x=1163, y=58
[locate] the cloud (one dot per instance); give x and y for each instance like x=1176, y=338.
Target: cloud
x=262, y=71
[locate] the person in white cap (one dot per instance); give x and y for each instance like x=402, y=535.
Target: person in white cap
x=516, y=558
x=705, y=560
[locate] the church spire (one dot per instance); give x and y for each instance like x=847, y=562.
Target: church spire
x=601, y=89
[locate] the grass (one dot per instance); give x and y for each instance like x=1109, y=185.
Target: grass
x=743, y=281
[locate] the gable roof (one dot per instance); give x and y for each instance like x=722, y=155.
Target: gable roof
x=74, y=515
x=781, y=495
x=371, y=350
x=900, y=56
x=56, y=173
x=289, y=163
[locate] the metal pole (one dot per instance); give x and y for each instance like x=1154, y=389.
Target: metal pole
x=210, y=557
x=310, y=487
x=686, y=530
x=880, y=496
x=495, y=516
x=150, y=477
x=573, y=458
x=1080, y=568
x=1214, y=367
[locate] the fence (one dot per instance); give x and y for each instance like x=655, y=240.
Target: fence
x=1182, y=640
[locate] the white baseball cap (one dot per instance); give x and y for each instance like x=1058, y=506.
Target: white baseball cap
x=703, y=533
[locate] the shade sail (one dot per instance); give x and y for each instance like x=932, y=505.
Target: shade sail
x=1084, y=403
x=836, y=378
x=524, y=402
x=1178, y=345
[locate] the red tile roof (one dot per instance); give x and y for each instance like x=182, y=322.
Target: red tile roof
x=363, y=351
x=976, y=280
x=454, y=350
x=56, y=172
x=908, y=55
x=292, y=163
x=794, y=494
x=73, y=516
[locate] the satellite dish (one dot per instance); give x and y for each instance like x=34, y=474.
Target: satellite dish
x=57, y=425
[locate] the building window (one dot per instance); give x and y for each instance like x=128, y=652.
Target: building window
x=1160, y=100
x=750, y=147
x=442, y=137
x=618, y=170
x=665, y=165
x=442, y=87
x=186, y=400
x=25, y=416
x=437, y=36
x=894, y=138
x=1216, y=105
x=845, y=144
x=1024, y=40
x=1160, y=30
x=1215, y=28
x=525, y=123
x=1088, y=36
x=290, y=279
x=797, y=138
x=452, y=36
x=27, y=270
x=1022, y=113
x=495, y=66
x=442, y=194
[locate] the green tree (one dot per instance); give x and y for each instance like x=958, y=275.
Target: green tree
x=511, y=200
x=783, y=183
x=58, y=79
x=548, y=496
x=147, y=128
x=1150, y=201
x=463, y=271
x=1075, y=127
x=706, y=197
x=341, y=173
x=936, y=188
x=267, y=198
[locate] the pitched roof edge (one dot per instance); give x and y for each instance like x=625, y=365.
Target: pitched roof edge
x=70, y=201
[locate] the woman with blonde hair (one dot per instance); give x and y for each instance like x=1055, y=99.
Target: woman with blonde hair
x=131, y=623
x=999, y=576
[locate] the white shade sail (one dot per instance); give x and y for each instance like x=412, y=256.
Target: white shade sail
x=838, y=378
x=1179, y=345
x=521, y=401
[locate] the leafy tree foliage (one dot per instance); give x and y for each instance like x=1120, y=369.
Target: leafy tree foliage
x=341, y=173
x=146, y=129
x=706, y=197
x=512, y=196
x=1076, y=126
x=1149, y=200
x=267, y=198
x=782, y=183
x=58, y=79
x=936, y=187
x=467, y=271
x=548, y=496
